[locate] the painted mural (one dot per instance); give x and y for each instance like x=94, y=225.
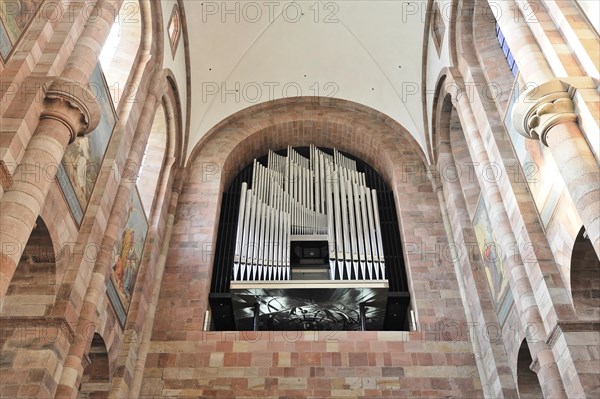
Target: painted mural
x=540, y=169
x=15, y=15
x=492, y=257
x=127, y=254
x=83, y=158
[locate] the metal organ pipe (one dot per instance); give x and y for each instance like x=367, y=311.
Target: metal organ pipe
x=330, y=226
x=240, y=230
x=378, y=232
x=352, y=229
x=359, y=230
x=339, y=241
x=366, y=233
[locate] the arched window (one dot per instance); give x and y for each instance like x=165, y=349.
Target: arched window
x=153, y=160
x=490, y=48
x=174, y=29
x=510, y=59
x=438, y=28
x=527, y=380
x=120, y=50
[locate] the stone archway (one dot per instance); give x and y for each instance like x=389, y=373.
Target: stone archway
x=527, y=380
x=95, y=381
x=349, y=127
x=32, y=289
x=585, y=278
x=152, y=163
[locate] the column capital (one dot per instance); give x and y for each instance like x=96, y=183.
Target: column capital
x=72, y=104
x=6, y=179
x=541, y=107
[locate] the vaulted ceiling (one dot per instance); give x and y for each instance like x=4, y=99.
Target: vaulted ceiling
x=369, y=52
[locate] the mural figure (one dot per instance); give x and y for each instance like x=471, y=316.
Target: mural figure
x=127, y=253
x=77, y=166
x=491, y=254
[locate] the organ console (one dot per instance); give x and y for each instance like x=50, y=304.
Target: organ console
x=323, y=198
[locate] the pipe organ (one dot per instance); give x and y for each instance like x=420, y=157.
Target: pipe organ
x=295, y=199
x=301, y=247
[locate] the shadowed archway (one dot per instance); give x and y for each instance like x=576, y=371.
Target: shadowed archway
x=585, y=278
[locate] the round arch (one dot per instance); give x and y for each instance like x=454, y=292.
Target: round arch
x=133, y=44
x=442, y=105
x=343, y=120
x=162, y=152
x=32, y=289
x=96, y=378
x=584, y=278
x=527, y=379
x=155, y=153
x=175, y=115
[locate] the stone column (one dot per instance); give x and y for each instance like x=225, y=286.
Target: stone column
x=520, y=284
x=72, y=367
x=144, y=346
x=547, y=113
x=438, y=187
x=70, y=110
x=532, y=63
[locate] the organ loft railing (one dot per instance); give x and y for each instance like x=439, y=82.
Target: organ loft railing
x=301, y=247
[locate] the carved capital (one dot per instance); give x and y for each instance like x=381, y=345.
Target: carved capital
x=6, y=179
x=72, y=104
x=549, y=113
x=545, y=106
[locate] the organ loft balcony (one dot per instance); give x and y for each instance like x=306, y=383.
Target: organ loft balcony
x=308, y=240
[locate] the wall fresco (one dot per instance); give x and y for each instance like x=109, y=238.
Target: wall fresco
x=15, y=15
x=83, y=158
x=127, y=254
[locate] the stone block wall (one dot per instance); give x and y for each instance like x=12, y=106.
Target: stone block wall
x=326, y=364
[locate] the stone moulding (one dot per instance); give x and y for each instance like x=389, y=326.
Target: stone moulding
x=570, y=326
x=39, y=326
x=542, y=107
